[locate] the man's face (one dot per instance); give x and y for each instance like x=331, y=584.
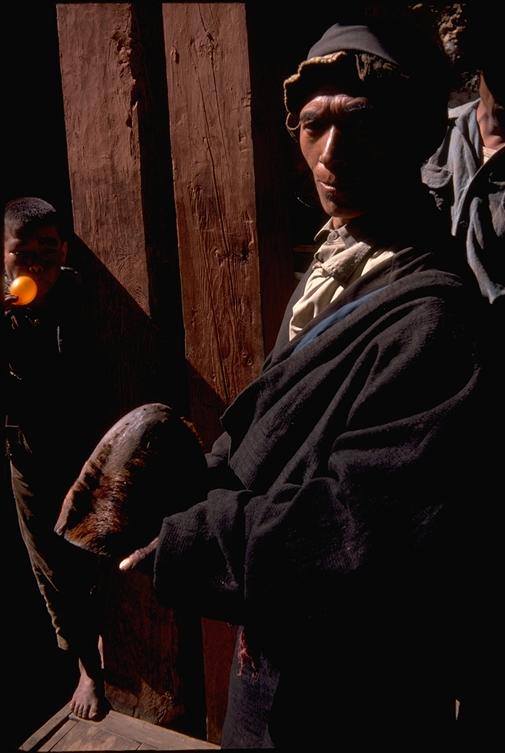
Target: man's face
x=492, y=80
x=344, y=144
x=38, y=254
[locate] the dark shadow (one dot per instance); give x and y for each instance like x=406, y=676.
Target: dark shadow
x=34, y=159
x=137, y=353
x=209, y=408
x=164, y=656
x=148, y=66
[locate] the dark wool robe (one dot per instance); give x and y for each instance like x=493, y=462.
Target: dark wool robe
x=345, y=477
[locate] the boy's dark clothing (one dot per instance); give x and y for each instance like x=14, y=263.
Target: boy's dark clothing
x=344, y=510
x=51, y=426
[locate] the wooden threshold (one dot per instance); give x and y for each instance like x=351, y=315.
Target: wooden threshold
x=66, y=732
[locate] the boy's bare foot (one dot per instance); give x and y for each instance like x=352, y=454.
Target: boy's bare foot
x=88, y=700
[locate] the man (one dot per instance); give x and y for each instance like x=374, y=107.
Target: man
x=467, y=177
x=466, y=174
x=337, y=507
x=53, y=419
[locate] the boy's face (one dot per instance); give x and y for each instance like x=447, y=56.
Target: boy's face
x=38, y=253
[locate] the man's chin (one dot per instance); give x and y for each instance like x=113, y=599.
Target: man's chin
x=344, y=206
x=343, y=212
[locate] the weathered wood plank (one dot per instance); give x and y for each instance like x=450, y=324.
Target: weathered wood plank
x=116, y=123
x=149, y=734
x=64, y=731
x=271, y=168
x=112, y=68
x=90, y=736
x=57, y=735
x=101, y=114
x=47, y=729
x=140, y=651
x=218, y=644
x=152, y=656
x=209, y=90
x=210, y=126
x=235, y=261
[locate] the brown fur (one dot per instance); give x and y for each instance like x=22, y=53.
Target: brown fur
x=124, y=490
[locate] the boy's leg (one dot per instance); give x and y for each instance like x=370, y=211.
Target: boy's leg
x=66, y=577
x=88, y=700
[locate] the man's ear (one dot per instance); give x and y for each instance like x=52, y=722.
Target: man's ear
x=64, y=251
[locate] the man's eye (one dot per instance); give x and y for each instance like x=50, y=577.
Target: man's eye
x=312, y=126
x=361, y=117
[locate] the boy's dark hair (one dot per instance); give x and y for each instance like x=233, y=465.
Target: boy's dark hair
x=30, y=212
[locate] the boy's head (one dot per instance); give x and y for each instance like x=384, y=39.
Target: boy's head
x=34, y=243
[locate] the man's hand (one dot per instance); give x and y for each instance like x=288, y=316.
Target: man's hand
x=128, y=563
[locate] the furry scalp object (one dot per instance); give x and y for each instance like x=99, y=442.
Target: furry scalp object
x=148, y=465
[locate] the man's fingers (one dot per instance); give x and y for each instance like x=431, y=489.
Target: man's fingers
x=132, y=560
x=128, y=563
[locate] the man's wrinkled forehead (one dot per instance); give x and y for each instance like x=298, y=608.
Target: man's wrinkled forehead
x=333, y=102
x=340, y=74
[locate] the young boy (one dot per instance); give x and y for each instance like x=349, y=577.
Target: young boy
x=51, y=425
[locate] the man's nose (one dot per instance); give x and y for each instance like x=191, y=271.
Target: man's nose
x=329, y=147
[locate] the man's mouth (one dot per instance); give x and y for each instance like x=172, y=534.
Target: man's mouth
x=328, y=186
